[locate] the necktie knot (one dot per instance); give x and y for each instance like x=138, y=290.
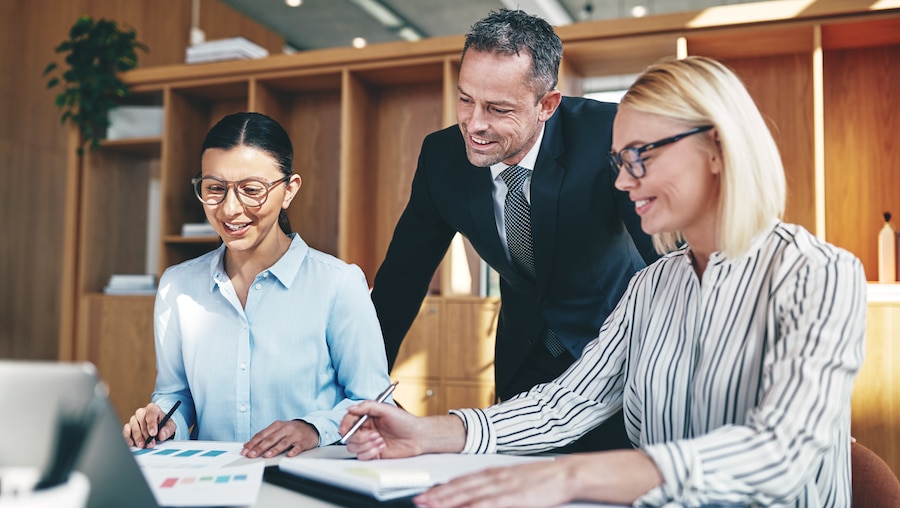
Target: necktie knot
x=514, y=177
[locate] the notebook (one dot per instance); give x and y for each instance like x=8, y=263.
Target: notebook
x=33, y=394
x=393, y=479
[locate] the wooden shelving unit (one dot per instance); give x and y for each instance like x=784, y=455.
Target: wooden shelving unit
x=825, y=75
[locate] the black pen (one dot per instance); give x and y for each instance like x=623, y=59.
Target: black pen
x=381, y=398
x=163, y=422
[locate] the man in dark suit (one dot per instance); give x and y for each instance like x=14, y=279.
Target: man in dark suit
x=585, y=240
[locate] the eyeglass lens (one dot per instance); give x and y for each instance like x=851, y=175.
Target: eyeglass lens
x=250, y=192
x=630, y=158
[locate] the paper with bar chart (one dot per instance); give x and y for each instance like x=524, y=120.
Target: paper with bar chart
x=200, y=473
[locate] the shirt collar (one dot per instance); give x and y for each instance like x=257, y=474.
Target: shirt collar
x=284, y=270
x=527, y=162
x=757, y=244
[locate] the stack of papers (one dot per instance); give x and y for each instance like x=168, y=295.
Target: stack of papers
x=127, y=284
x=234, y=48
x=200, y=473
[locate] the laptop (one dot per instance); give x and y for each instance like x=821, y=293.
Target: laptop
x=33, y=395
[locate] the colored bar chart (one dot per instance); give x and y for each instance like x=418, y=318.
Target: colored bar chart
x=200, y=473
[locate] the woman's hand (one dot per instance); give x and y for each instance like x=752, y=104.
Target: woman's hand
x=294, y=436
x=390, y=432
x=144, y=423
x=617, y=477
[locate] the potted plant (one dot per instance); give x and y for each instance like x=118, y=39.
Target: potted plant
x=96, y=52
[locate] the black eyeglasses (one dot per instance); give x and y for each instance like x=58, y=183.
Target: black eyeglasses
x=250, y=191
x=630, y=159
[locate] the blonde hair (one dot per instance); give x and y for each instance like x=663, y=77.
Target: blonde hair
x=701, y=91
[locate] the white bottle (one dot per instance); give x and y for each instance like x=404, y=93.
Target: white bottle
x=887, y=252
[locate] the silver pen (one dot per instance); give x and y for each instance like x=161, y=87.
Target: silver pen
x=381, y=398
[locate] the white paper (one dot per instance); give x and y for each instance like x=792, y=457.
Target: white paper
x=200, y=473
x=221, y=486
x=188, y=454
x=367, y=476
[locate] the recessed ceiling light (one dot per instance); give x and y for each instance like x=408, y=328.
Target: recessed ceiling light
x=359, y=42
x=293, y=3
x=639, y=11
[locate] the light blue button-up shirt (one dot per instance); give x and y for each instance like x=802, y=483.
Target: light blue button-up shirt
x=306, y=346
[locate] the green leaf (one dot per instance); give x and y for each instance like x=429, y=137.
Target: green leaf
x=95, y=53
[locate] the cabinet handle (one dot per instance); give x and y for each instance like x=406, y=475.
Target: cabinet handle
x=429, y=393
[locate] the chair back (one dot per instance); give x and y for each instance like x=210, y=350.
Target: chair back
x=874, y=483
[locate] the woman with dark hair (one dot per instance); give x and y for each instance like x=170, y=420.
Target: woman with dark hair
x=230, y=344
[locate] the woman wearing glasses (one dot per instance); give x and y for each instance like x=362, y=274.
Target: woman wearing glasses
x=733, y=356
x=263, y=340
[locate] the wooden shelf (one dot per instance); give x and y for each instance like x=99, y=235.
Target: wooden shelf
x=147, y=148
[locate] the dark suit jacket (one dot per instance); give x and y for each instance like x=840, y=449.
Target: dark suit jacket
x=587, y=238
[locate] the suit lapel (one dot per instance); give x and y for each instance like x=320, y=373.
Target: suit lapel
x=481, y=209
x=546, y=182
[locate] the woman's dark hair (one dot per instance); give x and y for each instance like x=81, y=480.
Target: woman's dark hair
x=259, y=131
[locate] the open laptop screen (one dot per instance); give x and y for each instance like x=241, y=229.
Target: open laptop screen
x=33, y=395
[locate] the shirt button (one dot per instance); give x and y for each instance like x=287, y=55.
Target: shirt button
x=243, y=366
x=265, y=274
x=259, y=286
x=243, y=408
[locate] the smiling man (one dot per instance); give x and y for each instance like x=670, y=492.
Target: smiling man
x=525, y=177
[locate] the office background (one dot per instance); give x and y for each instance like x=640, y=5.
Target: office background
x=33, y=144
x=35, y=155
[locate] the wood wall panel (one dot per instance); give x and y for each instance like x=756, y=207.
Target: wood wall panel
x=315, y=132
x=33, y=145
x=862, y=171
x=789, y=115
x=414, y=110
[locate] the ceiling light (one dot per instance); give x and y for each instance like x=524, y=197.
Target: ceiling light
x=639, y=11
x=293, y=3
x=359, y=42
x=378, y=11
x=389, y=19
x=408, y=34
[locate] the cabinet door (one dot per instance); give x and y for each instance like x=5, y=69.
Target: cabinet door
x=468, y=339
x=119, y=341
x=419, y=356
x=876, y=392
x=421, y=398
x=461, y=395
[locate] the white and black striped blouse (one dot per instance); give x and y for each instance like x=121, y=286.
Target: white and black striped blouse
x=738, y=386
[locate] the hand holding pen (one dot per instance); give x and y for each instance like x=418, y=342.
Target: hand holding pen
x=163, y=422
x=381, y=398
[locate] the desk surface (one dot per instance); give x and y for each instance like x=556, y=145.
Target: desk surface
x=272, y=496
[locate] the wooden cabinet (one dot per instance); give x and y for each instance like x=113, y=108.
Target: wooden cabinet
x=447, y=359
x=824, y=74
x=876, y=393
